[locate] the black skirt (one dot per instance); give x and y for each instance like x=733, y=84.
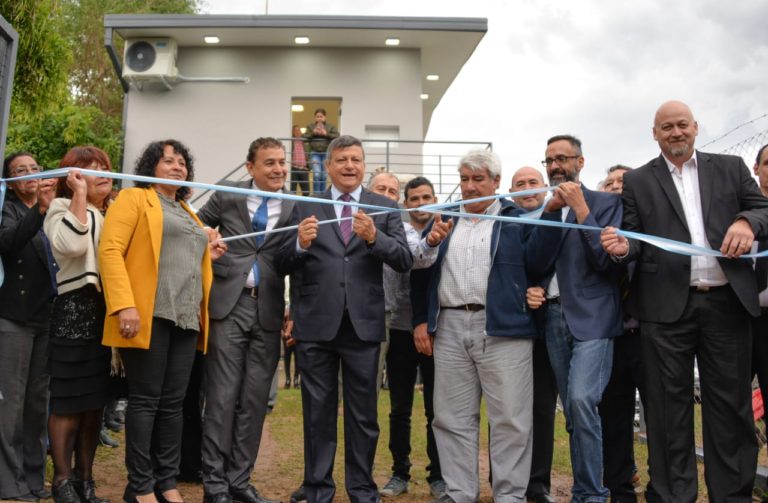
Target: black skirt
x=77, y=362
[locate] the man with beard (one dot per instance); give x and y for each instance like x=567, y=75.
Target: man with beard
x=694, y=308
x=584, y=312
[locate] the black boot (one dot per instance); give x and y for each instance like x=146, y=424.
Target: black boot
x=64, y=492
x=86, y=489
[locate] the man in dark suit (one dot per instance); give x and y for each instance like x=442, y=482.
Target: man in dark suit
x=544, y=385
x=760, y=324
x=694, y=308
x=583, y=312
x=246, y=309
x=338, y=315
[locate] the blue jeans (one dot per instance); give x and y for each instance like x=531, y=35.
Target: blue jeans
x=317, y=161
x=582, y=370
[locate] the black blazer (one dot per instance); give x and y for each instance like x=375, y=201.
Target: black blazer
x=27, y=291
x=229, y=212
x=330, y=278
x=660, y=285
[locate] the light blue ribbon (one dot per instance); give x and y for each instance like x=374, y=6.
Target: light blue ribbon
x=531, y=218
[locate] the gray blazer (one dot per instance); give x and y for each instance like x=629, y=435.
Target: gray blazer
x=229, y=212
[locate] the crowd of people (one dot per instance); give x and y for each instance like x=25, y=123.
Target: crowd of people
x=482, y=307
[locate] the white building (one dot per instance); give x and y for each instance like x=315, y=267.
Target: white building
x=378, y=77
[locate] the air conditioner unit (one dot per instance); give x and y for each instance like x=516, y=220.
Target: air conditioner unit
x=148, y=59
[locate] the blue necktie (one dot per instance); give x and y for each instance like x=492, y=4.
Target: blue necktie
x=259, y=224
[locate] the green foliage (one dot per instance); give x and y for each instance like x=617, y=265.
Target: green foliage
x=49, y=136
x=43, y=57
x=66, y=92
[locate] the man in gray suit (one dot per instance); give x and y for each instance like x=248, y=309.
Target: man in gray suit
x=338, y=315
x=246, y=310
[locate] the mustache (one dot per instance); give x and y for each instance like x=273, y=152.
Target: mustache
x=561, y=172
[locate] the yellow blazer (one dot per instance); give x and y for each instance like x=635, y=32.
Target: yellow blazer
x=129, y=254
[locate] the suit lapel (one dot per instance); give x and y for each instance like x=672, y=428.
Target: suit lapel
x=241, y=203
x=329, y=213
x=661, y=171
x=286, y=209
x=705, y=167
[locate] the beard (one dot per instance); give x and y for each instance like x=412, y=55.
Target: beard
x=679, y=151
x=559, y=175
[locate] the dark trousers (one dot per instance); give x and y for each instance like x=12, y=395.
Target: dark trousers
x=760, y=358
x=23, y=407
x=403, y=363
x=300, y=180
x=544, y=405
x=157, y=384
x=319, y=364
x=716, y=330
x=241, y=362
x=192, y=435
x=617, y=414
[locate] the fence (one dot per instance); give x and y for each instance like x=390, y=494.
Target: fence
x=436, y=160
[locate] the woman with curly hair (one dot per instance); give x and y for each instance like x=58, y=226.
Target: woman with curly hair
x=78, y=363
x=155, y=260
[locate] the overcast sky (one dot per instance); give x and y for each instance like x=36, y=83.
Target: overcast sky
x=595, y=69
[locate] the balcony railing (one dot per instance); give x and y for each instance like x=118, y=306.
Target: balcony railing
x=435, y=160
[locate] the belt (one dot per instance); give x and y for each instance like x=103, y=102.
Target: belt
x=466, y=307
x=704, y=288
x=251, y=292
x=553, y=300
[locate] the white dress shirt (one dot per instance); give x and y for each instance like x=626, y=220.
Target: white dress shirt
x=705, y=270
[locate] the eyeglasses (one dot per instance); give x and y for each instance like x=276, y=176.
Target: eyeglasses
x=559, y=159
x=26, y=170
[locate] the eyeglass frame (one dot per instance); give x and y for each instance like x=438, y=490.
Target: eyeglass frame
x=559, y=159
x=26, y=170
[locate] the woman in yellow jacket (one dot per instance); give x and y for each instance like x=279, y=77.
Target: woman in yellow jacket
x=155, y=260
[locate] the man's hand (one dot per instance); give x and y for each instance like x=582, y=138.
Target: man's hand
x=738, y=239
x=422, y=339
x=364, y=227
x=286, y=332
x=535, y=296
x=613, y=243
x=307, y=232
x=439, y=231
x=572, y=195
x=46, y=191
x=129, y=322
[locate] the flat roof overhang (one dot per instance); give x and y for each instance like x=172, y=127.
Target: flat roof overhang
x=445, y=44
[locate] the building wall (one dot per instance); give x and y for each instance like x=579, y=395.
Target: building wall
x=218, y=120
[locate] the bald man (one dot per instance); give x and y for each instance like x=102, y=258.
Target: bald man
x=544, y=387
x=694, y=308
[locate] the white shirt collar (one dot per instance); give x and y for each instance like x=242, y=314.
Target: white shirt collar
x=692, y=162
x=336, y=193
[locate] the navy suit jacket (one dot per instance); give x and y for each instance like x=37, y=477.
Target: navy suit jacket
x=587, y=277
x=330, y=279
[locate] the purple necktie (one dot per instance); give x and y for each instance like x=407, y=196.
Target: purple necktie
x=346, y=225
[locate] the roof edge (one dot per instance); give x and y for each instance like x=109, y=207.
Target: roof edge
x=467, y=24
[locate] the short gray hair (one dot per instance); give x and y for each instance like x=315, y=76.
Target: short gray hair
x=480, y=159
x=342, y=142
x=383, y=173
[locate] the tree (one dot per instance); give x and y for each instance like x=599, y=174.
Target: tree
x=66, y=92
x=43, y=56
